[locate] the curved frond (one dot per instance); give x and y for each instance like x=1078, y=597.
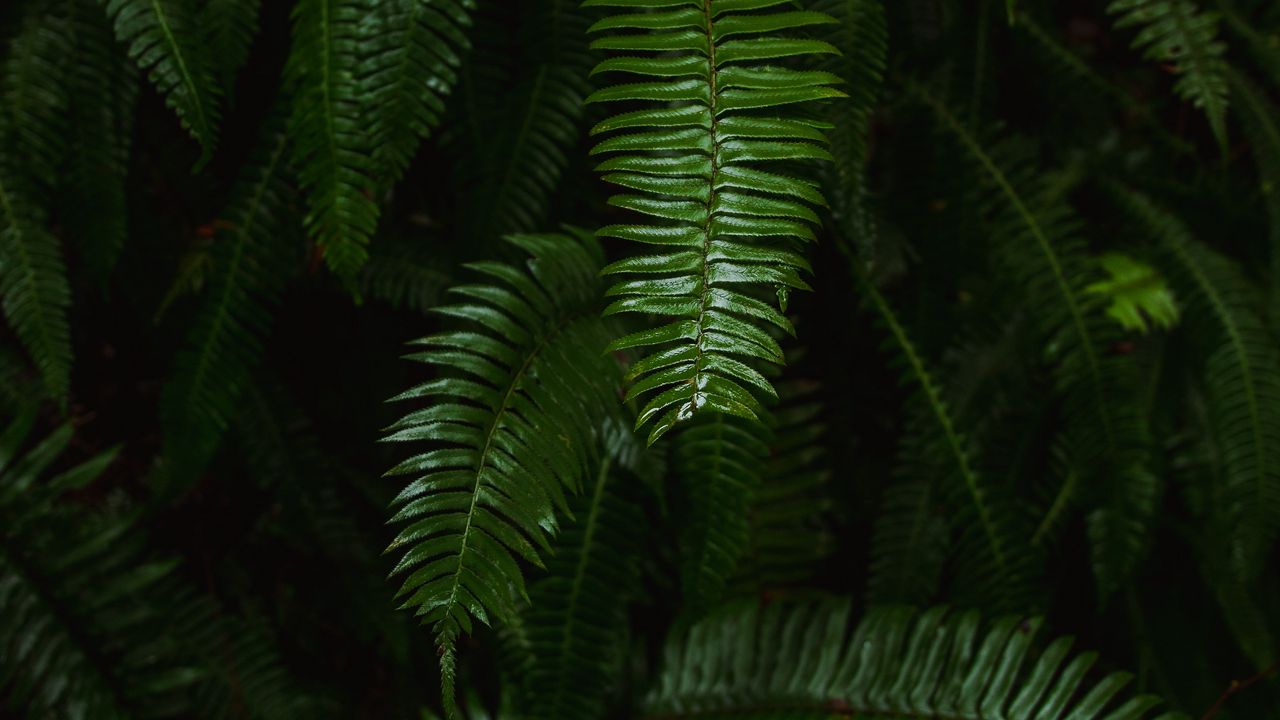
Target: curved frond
x=719, y=459
x=409, y=53
x=694, y=166
x=577, y=621
x=34, y=88
x=514, y=420
x=229, y=26
x=809, y=662
x=225, y=340
x=1178, y=33
x=1242, y=382
x=165, y=40
x=329, y=136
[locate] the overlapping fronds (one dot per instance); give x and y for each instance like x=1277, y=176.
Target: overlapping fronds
x=79, y=609
x=694, y=164
x=165, y=39
x=1035, y=238
x=1242, y=382
x=1178, y=33
x=329, y=136
x=514, y=422
x=720, y=460
x=103, y=88
x=808, y=661
x=577, y=621
x=251, y=255
x=992, y=567
x=787, y=537
x=409, y=53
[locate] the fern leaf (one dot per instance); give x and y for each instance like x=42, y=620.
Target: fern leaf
x=577, y=620
x=719, y=459
x=226, y=337
x=410, y=51
x=104, y=86
x=694, y=164
x=1257, y=115
x=1242, y=381
x=516, y=415
x=34, y=89
x=230, y=26
x=330, y=138
x=164, y=39
x=790, y=660
x=1108, y=442
x=1176, y=32
x=529, y=102
x=405, y=273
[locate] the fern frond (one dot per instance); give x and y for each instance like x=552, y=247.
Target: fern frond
x=1258, y=117
x=577, y=621
x=103, y=87
x=35, y=90
x=694, y=164
x=1178, y=33
x=1242, y=382
x=806, y=661
x=165, y=40
x=328, y=134
x=515, y=418
x=719, y=459
x=225, y=340
x=409, y=54
x=229, y=27
x=78, y=601
x=405, y=273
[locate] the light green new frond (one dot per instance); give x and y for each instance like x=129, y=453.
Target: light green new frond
x=230, y=27
x=718, y=110
x=809, y=662
x=719, y=460
x=329, y=136
x=577, y=621
x=1139, y=296
x=409, y=52
x=514, y=420
x=165, y=39
x=104, y=85
x=1178, y=33
x=1242, y=382
x=250, y=259
x=1035, y=239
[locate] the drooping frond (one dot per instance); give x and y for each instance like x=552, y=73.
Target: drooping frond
x=104, y=85
x=719, y=459
x=250, y=257
x=694, y=164
x=529, y=100
x=514, y=420
x=164, y=38
x=328, y=135
x=809, y=662
x=34, y=89
x=992, y=565
x=409, y=53
x=1242, y=382
x=1035, y=239
x=1178, y=33
x=229, y=27
x=786, y=535
x=577, y=621
x=79, y=604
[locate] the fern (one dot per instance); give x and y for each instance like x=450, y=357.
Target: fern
x=516, y=417
x=1036, y=239
x=409, y=53
x=719, y=459
x=34, y=87
x=802, y=661
x=226, y=338
x=576, y=624
x=1176, y=32
x=405, y=273
x=230, y=26
x=1257, y=115
x=163, y=38
x=695, y=165
x=1241, y=381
